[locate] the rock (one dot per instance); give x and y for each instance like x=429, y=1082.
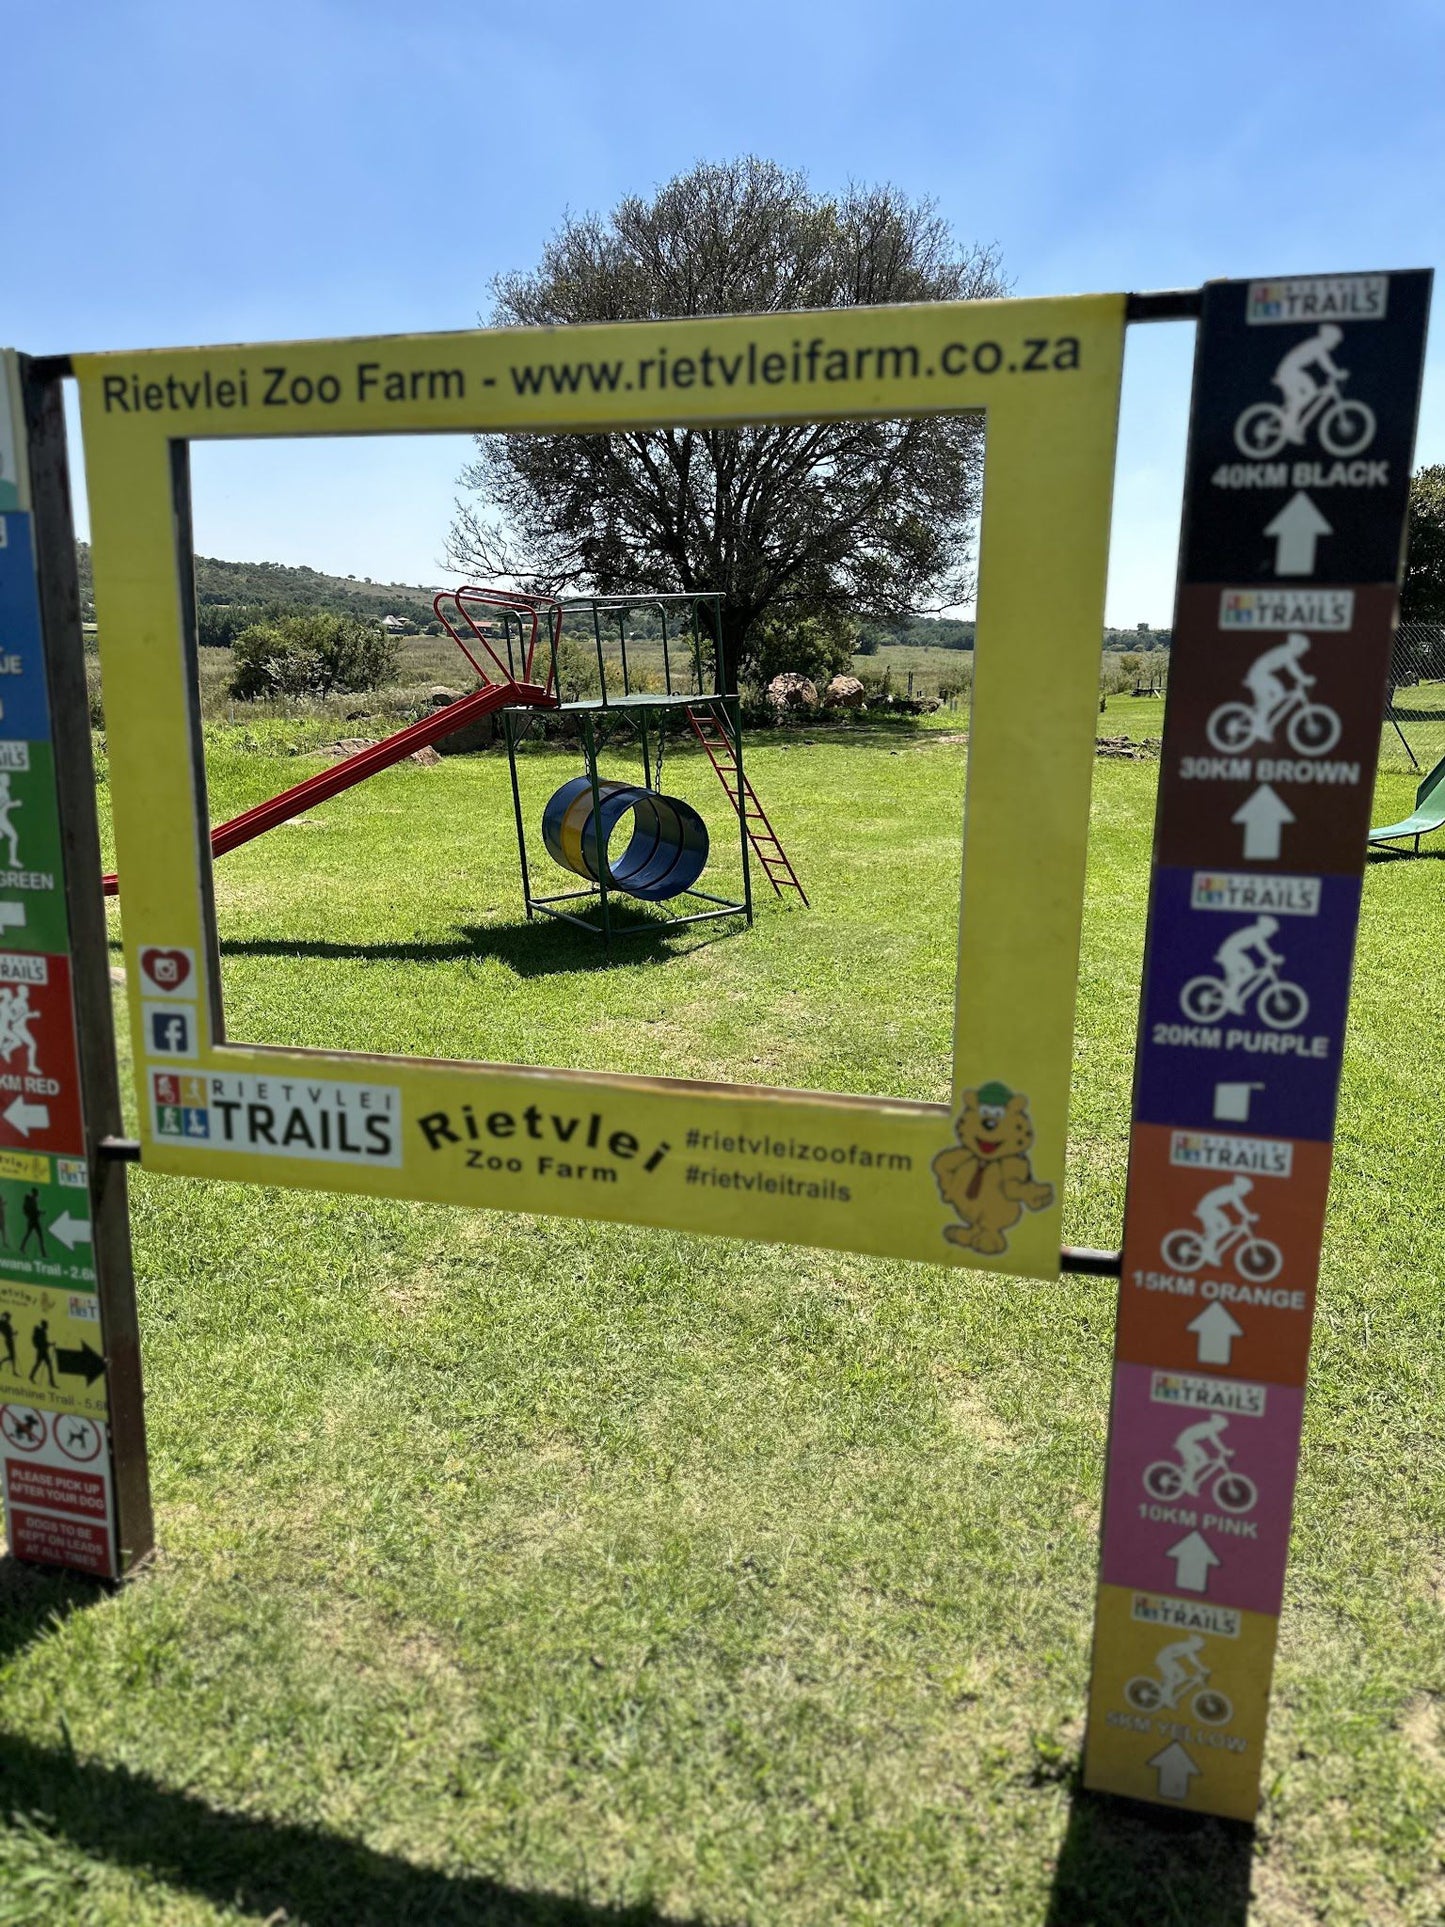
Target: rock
x=1141, y=750
x=791, y=692
x=844, y=692
x=441, y=696
x=426, y=756
x=480, y=734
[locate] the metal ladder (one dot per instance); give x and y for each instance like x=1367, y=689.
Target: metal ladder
x=744, y=799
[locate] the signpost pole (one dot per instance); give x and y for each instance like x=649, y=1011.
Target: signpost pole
x=1301, y=440
x=73, y=1455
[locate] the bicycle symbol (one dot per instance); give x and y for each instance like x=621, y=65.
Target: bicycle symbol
x=1312, y=729
x=1209, y=1706
x=1280, y=1004
x=1344, y=427
x=1255, y=1259
x=1233, y=1491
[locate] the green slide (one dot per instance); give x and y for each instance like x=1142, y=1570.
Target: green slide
x=1429, y=813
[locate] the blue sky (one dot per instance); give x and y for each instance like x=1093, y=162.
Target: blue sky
x=184, y=173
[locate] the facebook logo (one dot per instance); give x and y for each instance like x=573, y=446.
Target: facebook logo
x=170, y=1032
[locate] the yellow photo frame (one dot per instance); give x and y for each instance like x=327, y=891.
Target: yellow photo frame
x=979, y=1181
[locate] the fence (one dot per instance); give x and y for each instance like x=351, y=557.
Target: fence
x=1414, y=725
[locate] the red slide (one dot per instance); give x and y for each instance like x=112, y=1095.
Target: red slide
x=367, y=762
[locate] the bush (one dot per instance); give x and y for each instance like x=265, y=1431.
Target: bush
x=310, y=655
x=219, y=624
x=818, y=647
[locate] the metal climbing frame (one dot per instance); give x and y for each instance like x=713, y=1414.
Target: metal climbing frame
x=643, y=718
x=724, y=752
x=531, y=613
x=697, y=609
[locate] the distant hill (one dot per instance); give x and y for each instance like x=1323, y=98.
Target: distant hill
x=230, y=595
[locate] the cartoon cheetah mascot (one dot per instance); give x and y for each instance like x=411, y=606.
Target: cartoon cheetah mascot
x=988, y=1180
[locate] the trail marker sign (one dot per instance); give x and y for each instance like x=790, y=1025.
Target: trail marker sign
x=1272, y=727
x=72, y=1439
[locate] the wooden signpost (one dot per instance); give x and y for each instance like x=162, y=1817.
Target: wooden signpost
x=1301, y=438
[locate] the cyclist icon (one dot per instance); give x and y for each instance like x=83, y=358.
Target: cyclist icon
x=1204, y=1459
x=1181, y=1672
x=1251, y=969
x=1279, y=690
x=1255, y=1259
x=1310, y=381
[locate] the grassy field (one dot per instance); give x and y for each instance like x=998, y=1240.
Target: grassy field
x=526, y=1572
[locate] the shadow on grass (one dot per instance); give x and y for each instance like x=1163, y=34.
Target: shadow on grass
x=271, y=1869
x=37, y=1600
x=1122, y=1863
x=541, y=949
x=1385, y=853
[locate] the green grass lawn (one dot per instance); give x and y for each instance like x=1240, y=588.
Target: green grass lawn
x=517, y=1570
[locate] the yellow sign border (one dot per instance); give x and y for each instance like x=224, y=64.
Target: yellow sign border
x=848, y=1173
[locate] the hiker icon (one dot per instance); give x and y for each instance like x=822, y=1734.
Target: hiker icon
x=22, y=1428
x=1204, y=1459
x=7, y=1338
x=1279, y=695
x=34, y=1222
x=1310, y=381
x=40, y=1340
x=8, y=832
x=1251, y=968
x=16, y=1017
x=1181, y=1672
x=1255, y=1259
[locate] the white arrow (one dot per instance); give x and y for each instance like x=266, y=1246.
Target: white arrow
x=1262, y=817
x=1176, y=1769
x=1192, y=1559
x=22, y=1116
x=76, y=1231
x=1296, y=529
x=12, y=916
x=1216, y=1332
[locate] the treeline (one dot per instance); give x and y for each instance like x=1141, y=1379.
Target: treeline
x=927, y=632
x=235, y=596
x=1136, y=642
x=939, y=632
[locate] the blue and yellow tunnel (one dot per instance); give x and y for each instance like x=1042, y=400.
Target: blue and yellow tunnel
x=666, y=852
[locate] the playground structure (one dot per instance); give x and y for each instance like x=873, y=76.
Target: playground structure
x=1413, y=736
x=669, y=844
x=1427, y=815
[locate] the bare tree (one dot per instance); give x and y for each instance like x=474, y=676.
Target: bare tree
x=821, y=518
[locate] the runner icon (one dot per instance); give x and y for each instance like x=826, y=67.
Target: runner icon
x=8, y=832
x=1251, y=968
x=1310, y=381
x=1279, y=688
x=16, y=1017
